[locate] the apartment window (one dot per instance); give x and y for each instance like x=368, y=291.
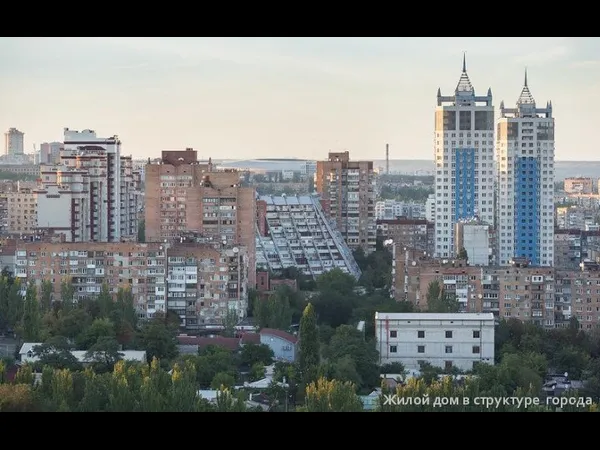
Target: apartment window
x=476, y=334
x=448, y=334
x=448, y=349
x=393, y=349
x=393, y=334
x=476, y=349
x=447, y=365
x=421, y=349
x=421, y=334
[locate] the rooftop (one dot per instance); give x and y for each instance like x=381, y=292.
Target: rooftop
x=435, y=316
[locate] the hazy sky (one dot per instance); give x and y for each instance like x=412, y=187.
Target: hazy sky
x=286, y=97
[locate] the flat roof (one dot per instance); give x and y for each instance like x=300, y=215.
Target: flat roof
x=434, y=316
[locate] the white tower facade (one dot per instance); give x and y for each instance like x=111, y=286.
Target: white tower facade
x=525, y=156
x=14, y=142
x=464, y=161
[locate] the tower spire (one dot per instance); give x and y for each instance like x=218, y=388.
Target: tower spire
x=525, y=76
x=465, y=62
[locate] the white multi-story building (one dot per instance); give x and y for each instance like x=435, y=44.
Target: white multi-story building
x=430, y=208
x=392, y=209
x=525, y=155
x=91, y=195
x=475, y=238
x=464, y=161
x=294, y=231
x=442, y=340
x=14, y=142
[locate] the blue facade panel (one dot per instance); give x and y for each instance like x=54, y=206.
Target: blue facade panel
x=527, y=212
x=464, y=184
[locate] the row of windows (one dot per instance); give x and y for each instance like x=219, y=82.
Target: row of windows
x=449, y=334
x=448, y=350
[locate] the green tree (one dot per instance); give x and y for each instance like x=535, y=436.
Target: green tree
x=124, y=315
x=439, y=301
x=56, y=353
x=32, y=320
x=95, y=395
x=104, y=354
x=46, y=293
x=275, y=311
x=349, y=342
x=158, y=339
x=183, y=389
x=24, y=375
x=257, y=372
x=256, y=354
x=332, y=396
x=222, y=380
x=67, y=294
x=230, y=321
x=99, y=328
x=229, y=402
x=17, y=398
x=309, y=350
x=462, y=254
x=105, y=301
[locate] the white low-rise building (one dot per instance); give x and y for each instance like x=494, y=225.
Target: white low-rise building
x=27, y=354
x=443, y=340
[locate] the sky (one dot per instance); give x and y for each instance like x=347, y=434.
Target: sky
x=286, y=97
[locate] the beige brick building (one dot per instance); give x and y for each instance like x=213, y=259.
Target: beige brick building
x=21, y=208
x=518, y=291
x=347, y=188
x=183, y=195
x=197, y=281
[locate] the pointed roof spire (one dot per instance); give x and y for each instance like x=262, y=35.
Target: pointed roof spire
x=525, y=98
x=464, y=85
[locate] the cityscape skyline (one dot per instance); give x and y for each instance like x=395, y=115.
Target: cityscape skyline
x=289, y=97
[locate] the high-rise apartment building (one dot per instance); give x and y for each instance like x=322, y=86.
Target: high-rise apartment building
x=184, y=195
x=50, y=152
x=525, y=155
x=21, y=208
x=348, y=190
x=14, y=142
x=464, y=161
x=294, y=231
x=91, y=194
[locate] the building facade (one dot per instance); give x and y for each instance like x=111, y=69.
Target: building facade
x=348, y=188
x=442, y=340
x=21, y=204
x=50, y=152
x=14, y=142
x=207, y=286
x=184, y=195
x=579, y=185
x=464, y=161
x=525, y=155
x=92, y=193
x=476, y=239
x=295, y=231
x=197, y=281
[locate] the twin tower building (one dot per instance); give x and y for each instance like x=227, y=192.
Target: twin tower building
x=506, y=182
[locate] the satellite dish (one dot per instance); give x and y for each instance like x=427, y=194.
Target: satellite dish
x=414, y=263
x=235, y=249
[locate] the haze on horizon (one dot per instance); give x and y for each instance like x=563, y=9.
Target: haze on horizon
x=238, y=98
